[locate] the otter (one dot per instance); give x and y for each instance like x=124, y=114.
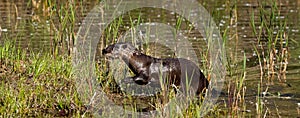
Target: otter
x=174, y=71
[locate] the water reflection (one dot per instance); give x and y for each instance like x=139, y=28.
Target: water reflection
x=33, y=26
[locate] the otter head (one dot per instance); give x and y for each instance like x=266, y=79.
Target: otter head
x=119, y=50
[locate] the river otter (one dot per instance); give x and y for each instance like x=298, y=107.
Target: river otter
x=146, y=68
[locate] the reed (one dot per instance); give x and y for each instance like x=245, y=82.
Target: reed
x=274, y=56
x=41, y=84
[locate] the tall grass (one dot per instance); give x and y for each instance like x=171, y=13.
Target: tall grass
x=273, y=54
x=271, y=49
x=37, y=85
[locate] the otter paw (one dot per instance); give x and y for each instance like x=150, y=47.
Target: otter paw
x=140, y=81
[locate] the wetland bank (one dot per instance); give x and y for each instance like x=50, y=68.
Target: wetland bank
x=261, y=39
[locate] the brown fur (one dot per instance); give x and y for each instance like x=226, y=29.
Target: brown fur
x=148, y=69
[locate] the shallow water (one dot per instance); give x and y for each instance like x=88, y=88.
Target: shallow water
x=34, y=28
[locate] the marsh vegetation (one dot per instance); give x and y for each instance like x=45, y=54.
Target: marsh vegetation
x=260, y=37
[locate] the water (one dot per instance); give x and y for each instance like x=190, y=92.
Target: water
x=33, y=27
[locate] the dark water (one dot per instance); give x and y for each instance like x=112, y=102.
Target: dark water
x=34, y=26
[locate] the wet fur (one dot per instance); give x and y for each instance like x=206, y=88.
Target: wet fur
x=149, y=69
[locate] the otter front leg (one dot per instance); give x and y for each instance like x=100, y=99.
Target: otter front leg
x=141, y=79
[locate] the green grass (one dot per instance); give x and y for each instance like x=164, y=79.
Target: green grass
x=275, y=51
x=36, y=85
x=40, y=84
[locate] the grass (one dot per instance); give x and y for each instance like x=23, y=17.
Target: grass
x=275, y=54
x=35, y=84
